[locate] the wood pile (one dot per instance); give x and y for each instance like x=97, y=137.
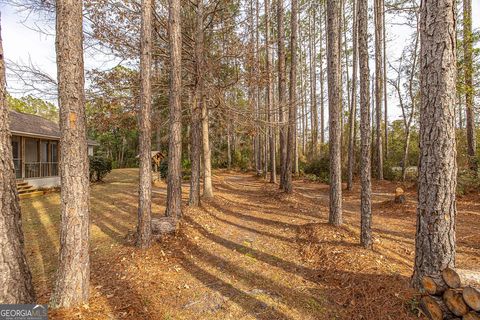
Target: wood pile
x=453, y=294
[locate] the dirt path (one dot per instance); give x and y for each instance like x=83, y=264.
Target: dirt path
x=249, y=253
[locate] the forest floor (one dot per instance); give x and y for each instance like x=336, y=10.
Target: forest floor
x=249, y=253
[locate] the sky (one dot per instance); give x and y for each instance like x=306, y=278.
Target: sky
x=23, y=44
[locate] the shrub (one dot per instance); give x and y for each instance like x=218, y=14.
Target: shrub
x=163, y=168
x=320, y=168
x=99, y=168
x=467, y=181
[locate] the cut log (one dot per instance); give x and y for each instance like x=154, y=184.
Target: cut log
x=454, y=301
x=164, y=225
x=434, y=285
x=472, y=315
x=434, y=308
x=451, y=278
x=472, y=297
x=469, y=277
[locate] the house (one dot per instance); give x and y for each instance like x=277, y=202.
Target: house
x=35, y=146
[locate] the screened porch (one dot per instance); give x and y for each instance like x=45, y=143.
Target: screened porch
x=34, y=157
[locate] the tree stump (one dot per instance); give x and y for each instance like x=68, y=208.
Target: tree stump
x=399, y=196
x=164, y=225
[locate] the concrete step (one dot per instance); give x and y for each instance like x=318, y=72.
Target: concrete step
x=32, y=194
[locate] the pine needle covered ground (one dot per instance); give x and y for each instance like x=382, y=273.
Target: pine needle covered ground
x=250, y=253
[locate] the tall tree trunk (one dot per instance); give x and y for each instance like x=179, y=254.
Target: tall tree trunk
x=15, y=277
x=437, y=174
x=469, y=88
x=353, y=107
x=196, y=121
x=322, y=77
x=378, y=8
x=229, y=147
x=268, y=75
x=408, y=124
x=292, y=112
x=335, y=107
x=365, y=129
x=174, y=179
x=385, y=100
x=144, y=228
x=313, y=80
x=282, y=101
x=258, y=154
x=207, y=154
x=73, y=276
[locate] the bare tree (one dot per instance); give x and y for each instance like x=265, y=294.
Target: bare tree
x=174, y=179
x=73, y=275
x=437, y=174
x=144, y=228
x=15, y=278
x=335, y=106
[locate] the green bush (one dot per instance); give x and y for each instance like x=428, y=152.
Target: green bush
x=467, y=181
x=163, y=168
x=320, y=168
x=99, y=168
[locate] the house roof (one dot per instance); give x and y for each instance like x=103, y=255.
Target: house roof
x=24, y=124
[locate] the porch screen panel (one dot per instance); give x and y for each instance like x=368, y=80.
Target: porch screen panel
x=31, y=150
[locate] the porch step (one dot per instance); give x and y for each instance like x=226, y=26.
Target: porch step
x=31, y=194
x=25, y=188
x=27, y=191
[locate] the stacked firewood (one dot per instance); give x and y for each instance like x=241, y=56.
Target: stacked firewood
x=451, y=295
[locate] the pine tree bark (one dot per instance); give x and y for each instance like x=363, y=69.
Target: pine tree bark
x=365, y=129
x=335, y=107
x=378, y=8
x=73, y=275
x=322, y=77
x=469, y=88
x=385, y=100
x=353, y=100
x=207, y=154
x=144, y=228
x=292, y=112
x=437, y=174
x=268, y=75
x=313, y=79
x=174, y=179
x=282, y=101
x=15, y=277
x=197, y=106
